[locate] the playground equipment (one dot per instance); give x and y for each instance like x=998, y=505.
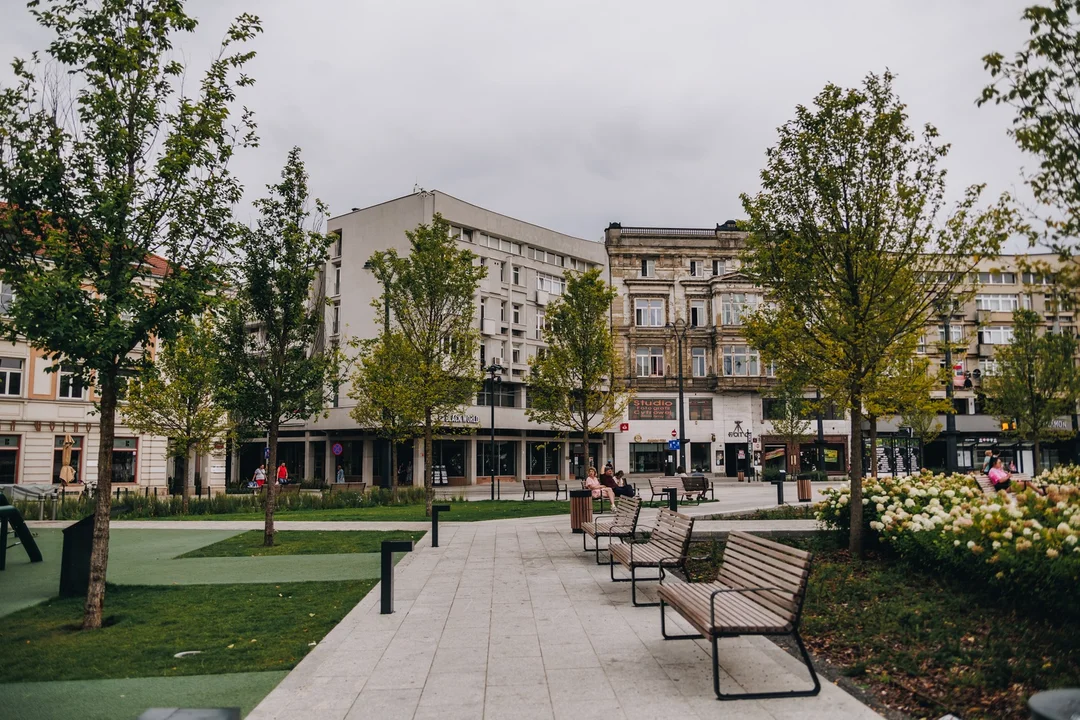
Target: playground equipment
x=10, y=515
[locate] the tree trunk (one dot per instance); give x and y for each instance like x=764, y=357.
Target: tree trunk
x=873, y=447
x=855, y=541
x=1035, y=457
x=271, y=485
x=189, y=478
x=391, y=482
x=429, y=488
x=99, y=554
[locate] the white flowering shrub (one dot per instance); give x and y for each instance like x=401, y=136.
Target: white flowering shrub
x=1025, y=543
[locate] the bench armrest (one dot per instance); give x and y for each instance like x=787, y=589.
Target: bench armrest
x=679, y=560
x=712, y=599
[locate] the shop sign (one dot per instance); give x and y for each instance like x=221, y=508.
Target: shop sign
x=460, y=419
x=652, y=409
x=832, y=455
x=738, y=432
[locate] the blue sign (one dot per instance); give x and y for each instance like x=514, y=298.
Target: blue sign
x=266, y=452
x=672, y=444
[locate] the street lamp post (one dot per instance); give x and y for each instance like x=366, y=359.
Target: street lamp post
x=496, y=379
x=820, y=433
x=950, y=417
x=679, y=326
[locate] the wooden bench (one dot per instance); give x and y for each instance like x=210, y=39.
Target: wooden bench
x=535, y=485
x=657, y=485
x=289, y=489
x=699, y=485
x=759, y=590
x=666, y=547
x=354, y=487
x=620, y=524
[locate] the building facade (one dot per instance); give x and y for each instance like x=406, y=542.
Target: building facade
x=525, y=265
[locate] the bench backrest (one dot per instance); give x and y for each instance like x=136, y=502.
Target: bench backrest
x=626, y=512
x=750, y=561
x=357, y=487
x=698, y=483
x=672, y=533
x=541, y=484
x=658, y=484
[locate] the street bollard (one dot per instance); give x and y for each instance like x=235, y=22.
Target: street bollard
x=389, y=547
x=435, y=510
x=672, y=499
x=780, y=487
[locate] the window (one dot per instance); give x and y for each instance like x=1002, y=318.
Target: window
x=543, y=458
x=9, y=458
x=71, y=385
x=717, y=267
x=997, y=278
x=505, y=395
x=648, y=457
x=740, y=361
x=517, y=314
x=335, y=319
x=550, y=283
x=505, y=458
x=698, y=365
x=648, y=312
x=541, y=324
x=123, y=459
x=698, y=318
x=650, y=362
x=11, y=370
x=1033, y=279
x=337, y=279
x=7, y=295
x=996, y=335
x=996, y=303
x=335, y=247
x=956, y=333
x=515, y=355
x=697, y=268
x=700, y=409
x=74, y=461
x=735, y=305
x=648, y=267
x=988, y=367
x=502, y=311
x=1025, y=301
x=517, y=274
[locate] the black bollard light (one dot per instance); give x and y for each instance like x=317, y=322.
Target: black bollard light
x=672, y=499
x=386, y=581
x=435, y=510
x=780, y=487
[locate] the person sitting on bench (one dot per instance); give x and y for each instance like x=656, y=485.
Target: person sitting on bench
x=599, y=489
x=623, y=488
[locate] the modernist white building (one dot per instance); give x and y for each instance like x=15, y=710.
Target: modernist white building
x=525, y=271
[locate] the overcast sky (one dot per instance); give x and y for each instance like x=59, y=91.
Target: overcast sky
x=572, y=114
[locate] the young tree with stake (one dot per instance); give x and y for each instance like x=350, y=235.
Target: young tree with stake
x=273, y=366
x=98, y=192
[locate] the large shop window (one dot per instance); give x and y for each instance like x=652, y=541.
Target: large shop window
x=9, y=458
x=351, y=458
x=58, y=458
x=449, y=454
x=11, y=372
x=648, y=457
x=505, y=458
x=543, y=458
x=125, y=452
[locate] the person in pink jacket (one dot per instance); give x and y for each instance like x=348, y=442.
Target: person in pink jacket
x=598, y=490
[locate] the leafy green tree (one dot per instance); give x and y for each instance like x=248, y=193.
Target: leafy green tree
x=383, y=386
x=273, y=364
x=118, y=199
x=431, y=293
x=1037, y=381
x=571, y=383
x=175, y=397
x=847, y=234
x=1040, y=82
x=788, y=418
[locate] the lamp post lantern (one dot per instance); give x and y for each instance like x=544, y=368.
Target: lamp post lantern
x=494, y=372
x=679, y=326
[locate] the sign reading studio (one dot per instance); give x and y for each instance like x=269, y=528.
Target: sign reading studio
x=652, y=409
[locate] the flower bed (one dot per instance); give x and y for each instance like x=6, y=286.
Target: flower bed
x=1027, y=545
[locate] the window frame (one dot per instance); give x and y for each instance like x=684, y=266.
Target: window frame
x=651, y=359
x=6, y=373
x=651, y=309
x=750, y=358
x=699, y=356
x=73, y=380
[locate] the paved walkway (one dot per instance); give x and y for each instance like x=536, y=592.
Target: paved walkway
x=512, y=620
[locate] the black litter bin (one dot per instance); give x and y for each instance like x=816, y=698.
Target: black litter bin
x=75, y=561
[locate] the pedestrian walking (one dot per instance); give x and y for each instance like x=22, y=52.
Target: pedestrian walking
x=282, y=474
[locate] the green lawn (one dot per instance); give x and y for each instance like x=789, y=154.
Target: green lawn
x=303, y=542
x=237, y=628
x=928, y=643
x=460, y=512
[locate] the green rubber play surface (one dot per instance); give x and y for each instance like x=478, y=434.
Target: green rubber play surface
x=127, y=699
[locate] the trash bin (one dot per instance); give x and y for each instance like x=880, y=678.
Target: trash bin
x=1055, y=704
x=802, y=486
x=580, y=509
x=75, y=560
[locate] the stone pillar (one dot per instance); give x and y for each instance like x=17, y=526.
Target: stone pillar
x=523, y=457
x=309, y=458
x=564, y=466
x=331, y=460
x=367, y=463
x=470, y=460
x=419, y=467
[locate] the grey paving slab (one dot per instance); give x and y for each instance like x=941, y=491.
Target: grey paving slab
x=512, y=620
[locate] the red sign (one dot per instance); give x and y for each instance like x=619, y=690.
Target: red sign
x=624, y=427
x=674, y=434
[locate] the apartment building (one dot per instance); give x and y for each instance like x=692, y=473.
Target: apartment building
x=682, y=287
x=525, y=266
x=39, y=411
